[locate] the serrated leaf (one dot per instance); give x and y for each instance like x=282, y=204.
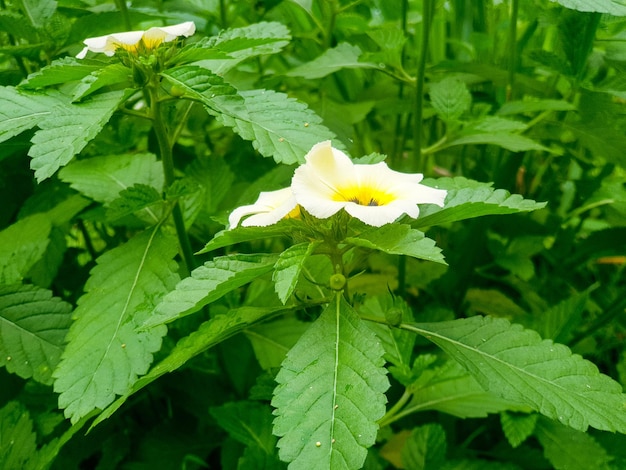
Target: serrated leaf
x=246, y=234
x=209, y=334
x=68, y=129
x=17, y=26
x=467, y=199
x=245, y=42
x=399, y=239
x=18, y=445
x=343, y=56
x=216, y=177
x=512, y=142
x=133, y=199
x=612, y=7
x=425, y=449
x=33, y=325
x=568, y=449
x=247, y=422
x=102, y=178
x=112, y=74
x=22, y=111
x=278, y=126
x=37, y=11
x=451, y=389
x=330, y=393
x=208, y=283
x=518, y=427
x=22, y=245
x=63, y=70
x=560, y=321
x=450, y=98
x=518, y=365
x=105, y=353
x=288, y=267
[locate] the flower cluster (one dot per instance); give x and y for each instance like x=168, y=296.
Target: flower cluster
x=329, y=182
x=132, y=41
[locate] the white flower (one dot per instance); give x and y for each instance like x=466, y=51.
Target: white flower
x=269, y=208
x=375, y=194
x=132, y=40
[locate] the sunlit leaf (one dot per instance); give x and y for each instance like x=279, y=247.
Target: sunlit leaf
x=246, y=234
x=450, y=98
x=512, y=142
x=611, y=7
x=288, y=267
x=467, y=199
x=63, y=70
x=21, y=111
x=399, y=239
x=330, y=393
x=66, y=130
x=342, y=56
x=105, y=352
x=33, y=325
x=208, y=283
x=518, y=365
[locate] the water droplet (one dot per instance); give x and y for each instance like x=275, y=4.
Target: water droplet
x=382, y=66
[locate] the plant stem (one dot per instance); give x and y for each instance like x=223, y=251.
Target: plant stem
x=167, y=160
x=512, y=50
x=121, y=6
x=390, y=416
x=427, y=16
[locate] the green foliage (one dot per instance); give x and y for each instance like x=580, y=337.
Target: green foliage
x=105, y=353
x=331, y=384
x=33, y=325
x=284, y=343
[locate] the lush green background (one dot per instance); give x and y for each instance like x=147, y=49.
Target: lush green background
x=524, y=96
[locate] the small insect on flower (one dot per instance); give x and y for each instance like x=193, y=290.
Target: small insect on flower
x=132, y=41
x=329, y=181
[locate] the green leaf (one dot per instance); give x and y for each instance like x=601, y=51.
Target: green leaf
x=612, y=7
x=68, y=129
x=17, y=26
x=399, y=239
x=208, y=283
x=63, y=70
x=512, y=142
x=136, y=198
x=272, y=340
x=209, y=334
x=425, y=449
x=560, y=321
x=112, y=74
x=278, y=126
x=245, y=234
x=22, y=245
x=467, y=199
x=568, y=449
x=288, y=267
x=533, y=106
x=105, y=353
x=18, y=446
x=37, y=11
x=518, y=365
x=245, y=42
x=22, y=111
x=343, y=56
x=518, y=427
x=33, y=325
x=330, y=393
x=451, y=389
x=102, y=178
x=247, y=422
x=450, y=98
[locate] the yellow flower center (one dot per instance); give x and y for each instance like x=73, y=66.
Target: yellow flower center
x=294, y=213
x=364, y=196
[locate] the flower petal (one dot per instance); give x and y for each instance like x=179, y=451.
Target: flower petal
x=268, y=209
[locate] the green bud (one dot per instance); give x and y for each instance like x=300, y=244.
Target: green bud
x=337, y=281
x=393, y=316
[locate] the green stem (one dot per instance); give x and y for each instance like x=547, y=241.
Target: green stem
x=427, y=16
x=167, y=160
x=512, y=50
x=121, y=6
x=223, y=14
x=392, y=414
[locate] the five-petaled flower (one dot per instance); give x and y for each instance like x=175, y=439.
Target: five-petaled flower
x=134, y=40
x=329, y=182
x=269, y=208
